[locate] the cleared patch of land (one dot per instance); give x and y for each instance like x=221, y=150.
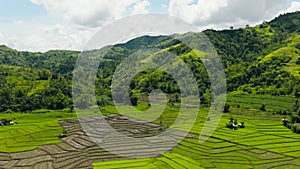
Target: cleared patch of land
x=77, y=150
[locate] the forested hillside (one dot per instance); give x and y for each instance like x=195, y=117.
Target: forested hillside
x=264, y=59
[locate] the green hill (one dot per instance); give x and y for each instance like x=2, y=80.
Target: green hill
x=26, y=89
x=258, y=60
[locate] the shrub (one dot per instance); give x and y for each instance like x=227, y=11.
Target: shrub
x=284, y=112
x=235, y=122
x=294, y=128
x=242, y=125
x=297, y=129
x=263, y=107
x=226, y=108
x=231, y=119
x=64, y=132
x=285, y=122
x=134, y=101
x=298, y=61
x=279, y=112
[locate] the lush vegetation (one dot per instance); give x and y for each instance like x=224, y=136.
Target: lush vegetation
x=262, y=67
x=26, y=89
x=258, y=60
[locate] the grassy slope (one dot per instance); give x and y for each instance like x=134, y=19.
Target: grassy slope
x=292, y=67
x=289, y=51
x=24, y=78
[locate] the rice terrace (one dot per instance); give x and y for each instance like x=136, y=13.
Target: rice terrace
x=263, y=143
x=259, y=125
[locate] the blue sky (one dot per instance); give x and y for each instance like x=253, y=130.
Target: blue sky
x=41, y=25
x=159, y=6
x=20, y=9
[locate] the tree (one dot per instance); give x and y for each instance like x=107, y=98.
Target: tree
x=235, y=122
x=231, y=119
x=297, y=92
x=134, y=100
x=263, y=107
x=71, y=108
x=226, y=108
x=242, y=125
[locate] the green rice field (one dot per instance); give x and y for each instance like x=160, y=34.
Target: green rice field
x=263, y=143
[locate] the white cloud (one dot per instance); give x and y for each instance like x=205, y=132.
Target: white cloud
x=69, y=24
x=42, y=36
x=295, y=6
x=188, y=10
x=1, y=36
x=92, y=13
x=141, y=7
x=222, y=13
x=164, y=6
x=18, y=22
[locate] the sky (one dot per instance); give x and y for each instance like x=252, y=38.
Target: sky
x=41, y=25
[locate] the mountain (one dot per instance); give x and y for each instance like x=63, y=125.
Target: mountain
x=264, y=59
x=57, y=61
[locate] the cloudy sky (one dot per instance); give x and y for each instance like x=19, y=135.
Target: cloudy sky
x=41, y=25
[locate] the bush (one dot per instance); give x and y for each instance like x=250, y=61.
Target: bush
x=263, y=107
x=285, y=122
x=233, y=124
x=8, y=111
x=298, y=46
x=284, y=112
x=294, y=119
x=293, y=128
x=292, y=124
x=134, y=101
x=231, y=119
x=226, y=108
x=64, y=132
x=242, y=125
x=104, y=100
x=298, y=61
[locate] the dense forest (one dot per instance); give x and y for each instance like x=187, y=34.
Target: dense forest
x=264, y=59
